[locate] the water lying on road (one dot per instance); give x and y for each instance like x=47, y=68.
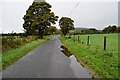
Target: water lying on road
x=77, y=68
x=65, y=51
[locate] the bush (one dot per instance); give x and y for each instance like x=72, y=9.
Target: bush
x=9, y=42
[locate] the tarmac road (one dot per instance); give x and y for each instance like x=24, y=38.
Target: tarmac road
x=46, y=61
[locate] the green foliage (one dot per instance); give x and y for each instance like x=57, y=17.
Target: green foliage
x=38, y=17
x=118, y=30
x=80, y=29
x=93, y=76
x=9, y=42
x=88, y=31
x=58, y=31
x=52, y=29
x=10, y=56
x=109, y=29
x=66, y=24
x=105, y=63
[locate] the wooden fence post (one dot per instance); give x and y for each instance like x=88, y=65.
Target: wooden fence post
x=78, y=38
x=88, y=40
x=74, y=37
x=104, y=43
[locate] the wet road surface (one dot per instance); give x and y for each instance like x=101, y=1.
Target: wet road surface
x=46, y=61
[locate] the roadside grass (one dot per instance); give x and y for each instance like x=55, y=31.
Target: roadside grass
x=12, y=55
x=104, y=63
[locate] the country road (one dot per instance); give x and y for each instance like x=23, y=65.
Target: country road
x=46, y=61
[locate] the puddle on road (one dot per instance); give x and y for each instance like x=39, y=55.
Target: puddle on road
x=65, y=51
x=78, y=69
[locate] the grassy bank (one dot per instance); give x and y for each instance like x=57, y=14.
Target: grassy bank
x=104, y=63
x=12, y=55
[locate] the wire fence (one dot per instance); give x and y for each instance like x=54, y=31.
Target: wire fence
x=78, y=39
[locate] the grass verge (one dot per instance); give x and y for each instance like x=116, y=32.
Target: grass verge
x=12, y=55
x=95, y=58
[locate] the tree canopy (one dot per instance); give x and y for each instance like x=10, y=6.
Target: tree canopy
x=118, y=30
x=38, y=17
x=110, y=29
x=66, y=24
x=52, y=29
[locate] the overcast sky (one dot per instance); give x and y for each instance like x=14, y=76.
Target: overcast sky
x=85, y=13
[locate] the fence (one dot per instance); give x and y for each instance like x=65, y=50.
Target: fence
x=74, y=38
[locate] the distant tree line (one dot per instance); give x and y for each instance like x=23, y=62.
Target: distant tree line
x=90, y=31
x=51, y=30
x=111, y=29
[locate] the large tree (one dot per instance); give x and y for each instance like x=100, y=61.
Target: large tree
x=38, y=17
x=66, y=24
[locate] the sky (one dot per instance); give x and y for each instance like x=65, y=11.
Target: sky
x=86, y=13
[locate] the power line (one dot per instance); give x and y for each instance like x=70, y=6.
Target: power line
x=75, y=7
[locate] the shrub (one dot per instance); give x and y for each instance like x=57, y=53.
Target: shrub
x=9, y=42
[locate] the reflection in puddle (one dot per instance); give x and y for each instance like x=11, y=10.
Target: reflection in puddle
x=78, y=69
x=65, y=51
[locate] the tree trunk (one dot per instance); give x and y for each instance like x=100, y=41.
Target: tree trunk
x=41, y=33
x=41, y=36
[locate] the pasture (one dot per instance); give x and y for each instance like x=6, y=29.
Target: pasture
x=93, y=56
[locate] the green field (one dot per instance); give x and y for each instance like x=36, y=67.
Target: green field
x=104, y=63
x=10, y=56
